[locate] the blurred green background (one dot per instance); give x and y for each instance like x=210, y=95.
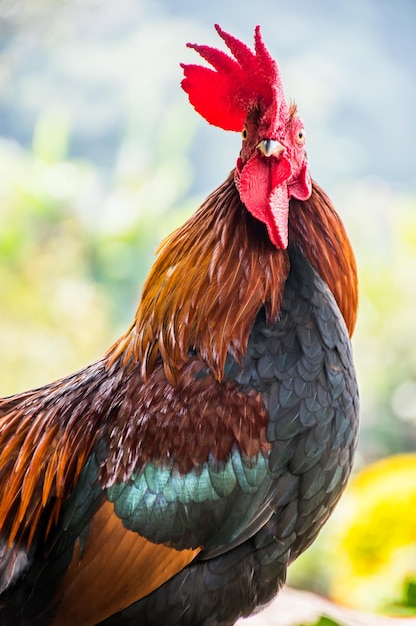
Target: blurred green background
x=101, y=156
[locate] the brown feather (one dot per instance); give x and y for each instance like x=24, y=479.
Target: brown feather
x=91, y=590
x=45, y=440
x=319, y=232
x=185, y=423
x=211, y=277
x=214, y=273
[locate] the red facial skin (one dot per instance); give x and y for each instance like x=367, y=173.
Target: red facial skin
x=266, y=183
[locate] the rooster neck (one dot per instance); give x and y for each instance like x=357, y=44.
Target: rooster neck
x=214, y=273
x=318, y=232
x=205, y=289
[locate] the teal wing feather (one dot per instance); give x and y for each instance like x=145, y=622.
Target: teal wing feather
x=210, y=505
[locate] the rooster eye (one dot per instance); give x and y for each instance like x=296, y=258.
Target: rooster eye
x=300, y=137
x=244, y=134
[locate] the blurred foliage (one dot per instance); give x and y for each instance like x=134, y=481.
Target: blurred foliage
x=324, y=621
x=80, y=222
x=406, y=604
x=376, y=543
x=385, y=236
x=49, y=307
x=75, y=245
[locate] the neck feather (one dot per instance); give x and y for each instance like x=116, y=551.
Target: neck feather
x=213, y=274
x=317, y=230
x=209, y=281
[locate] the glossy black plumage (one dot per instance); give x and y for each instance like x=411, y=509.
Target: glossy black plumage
x=303, y=368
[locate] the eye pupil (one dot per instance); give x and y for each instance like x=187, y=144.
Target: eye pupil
x=301, y=136
x=244, y=133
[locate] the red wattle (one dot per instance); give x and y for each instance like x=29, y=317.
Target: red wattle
x=263, y=190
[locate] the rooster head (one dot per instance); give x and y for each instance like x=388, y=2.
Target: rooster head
x=245, y=94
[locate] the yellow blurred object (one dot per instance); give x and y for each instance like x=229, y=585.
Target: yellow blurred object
x=377, y=535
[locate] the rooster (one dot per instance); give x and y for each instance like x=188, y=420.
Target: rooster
x=174, y=480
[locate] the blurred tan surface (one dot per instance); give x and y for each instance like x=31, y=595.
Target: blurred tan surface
x=295, y=608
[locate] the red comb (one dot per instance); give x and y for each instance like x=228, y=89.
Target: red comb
x=224, y=95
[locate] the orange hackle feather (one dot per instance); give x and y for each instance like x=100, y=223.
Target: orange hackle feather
x=316, y=228
x=212, y=276
x=42, y=468
x=205, y=289
x=46, y=437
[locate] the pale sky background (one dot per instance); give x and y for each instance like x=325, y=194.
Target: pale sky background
x=350, y=66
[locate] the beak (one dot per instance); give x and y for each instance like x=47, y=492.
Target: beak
x=270, y=147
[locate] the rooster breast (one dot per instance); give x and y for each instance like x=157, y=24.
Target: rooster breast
x=302, y=367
